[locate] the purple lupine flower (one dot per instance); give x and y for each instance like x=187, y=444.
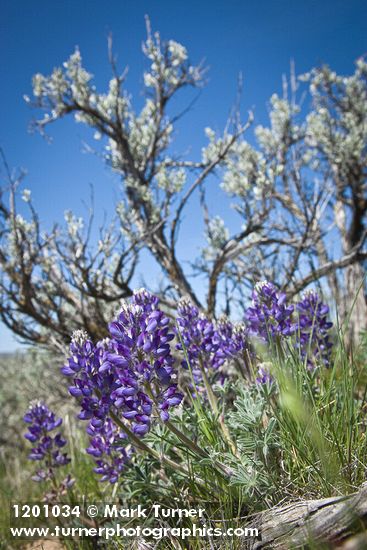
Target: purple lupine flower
x=269, y=316
x=170, y=398
x=233, y=337
x=208, y=345
x=263, y=375
x=200, y=341
x=41, y=423
x=108, y=447
x=129, y=375
x=142, y=338
x=313, y=330
x=234, y=348
x=91, y=382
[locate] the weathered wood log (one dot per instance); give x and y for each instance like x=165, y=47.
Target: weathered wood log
x=325, y=523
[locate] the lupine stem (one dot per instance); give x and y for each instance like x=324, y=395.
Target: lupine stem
x=188, y=442
x=195, y=447
x=191, y=444
x=149, y=450
x=211, y=396
x=214, y=405
x=146, y=448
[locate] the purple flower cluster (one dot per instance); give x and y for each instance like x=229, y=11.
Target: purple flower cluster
x=130, y=376
x=263, y=375
x=41, y=422
x=107, y=446
x=208, y=345
x=125, y=382
x=313, y=329
x=269, y=316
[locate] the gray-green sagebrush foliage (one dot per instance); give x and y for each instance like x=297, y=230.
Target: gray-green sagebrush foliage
x=295, y=190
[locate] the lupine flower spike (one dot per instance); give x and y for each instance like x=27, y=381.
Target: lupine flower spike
x=124, y=381
x=208, y=345
x=313, y=330
x=47, y=445
x=269, y=316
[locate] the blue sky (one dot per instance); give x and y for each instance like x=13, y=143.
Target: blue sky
x=257, y=38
